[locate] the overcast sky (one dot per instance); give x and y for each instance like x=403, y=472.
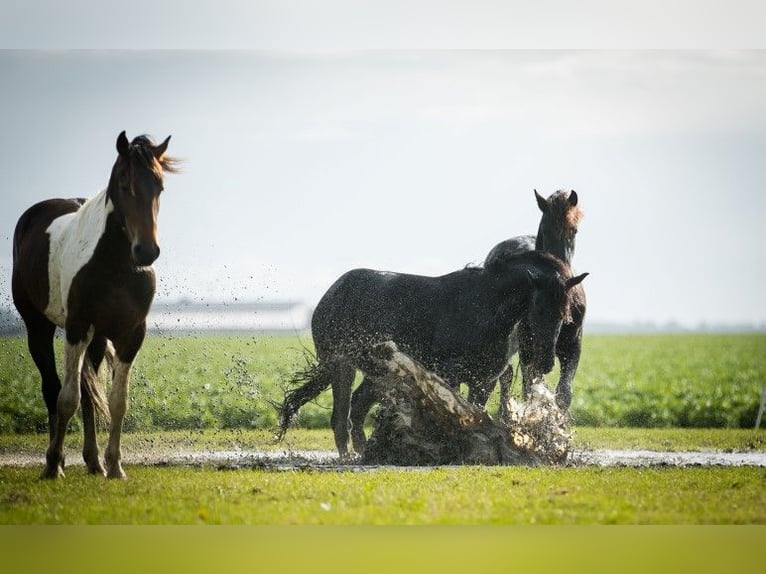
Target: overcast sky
x=300, y=165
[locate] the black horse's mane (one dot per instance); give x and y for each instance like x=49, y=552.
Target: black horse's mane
x=534, y=258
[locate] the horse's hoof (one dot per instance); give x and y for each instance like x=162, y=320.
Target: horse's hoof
x=117, y=473
x=96, y=469
x=52, y=472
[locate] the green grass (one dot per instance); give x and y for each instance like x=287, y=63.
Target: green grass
x=695, y=380
x=231, y=382
x=466, y=495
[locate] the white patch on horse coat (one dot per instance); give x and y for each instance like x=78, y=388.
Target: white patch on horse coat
x=73, y=239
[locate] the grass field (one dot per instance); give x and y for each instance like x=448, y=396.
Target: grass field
x=465, y=495
x=686, y=392
x=198, y=382
x=432, y=496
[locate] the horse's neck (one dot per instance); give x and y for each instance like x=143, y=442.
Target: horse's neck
x=90, y=219
x=516, y=300
x=558, y=247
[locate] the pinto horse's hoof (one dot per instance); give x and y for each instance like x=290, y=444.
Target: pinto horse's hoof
x=52, y=472
x=96, y=469
x=117, y=473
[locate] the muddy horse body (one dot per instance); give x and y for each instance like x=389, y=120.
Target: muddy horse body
x=457, y=325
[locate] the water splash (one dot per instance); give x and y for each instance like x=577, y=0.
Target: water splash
x=539, y=426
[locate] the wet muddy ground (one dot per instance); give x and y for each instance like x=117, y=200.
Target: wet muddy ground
x=329, y=461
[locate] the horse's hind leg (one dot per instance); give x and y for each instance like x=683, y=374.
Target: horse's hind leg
x=342, y=380
x=361, y=402
x=40, y=333
x=68, y=399
x=90, y=455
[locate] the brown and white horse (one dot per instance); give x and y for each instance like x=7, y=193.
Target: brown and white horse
x=85, y=266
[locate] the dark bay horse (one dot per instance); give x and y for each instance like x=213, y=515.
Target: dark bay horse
x=456, y=325
x=85, y=266
x=561, y=215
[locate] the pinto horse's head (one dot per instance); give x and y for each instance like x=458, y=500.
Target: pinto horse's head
x=549, y=308
x=134, y=189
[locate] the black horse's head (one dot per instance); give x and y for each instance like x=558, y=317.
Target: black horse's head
x=558, y=225
x=549, y=308
x=134, y=189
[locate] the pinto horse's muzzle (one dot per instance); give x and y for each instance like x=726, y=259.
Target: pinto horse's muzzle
x=145, y=254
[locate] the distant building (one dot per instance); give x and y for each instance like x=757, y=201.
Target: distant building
x=199, y=316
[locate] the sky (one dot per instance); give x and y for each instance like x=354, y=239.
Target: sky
x=300, y=164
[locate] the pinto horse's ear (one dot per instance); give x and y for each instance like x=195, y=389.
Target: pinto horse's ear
x=572, y=198
x=541, y=203
x=123, y=145
x=575, y=280
x=160, y=150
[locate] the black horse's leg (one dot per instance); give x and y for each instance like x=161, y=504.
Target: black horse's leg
x=94, y=355
x=505, y=381
x=342, y=381
x=526, y=358
x=479, y=391
x=568, y=349
x=361, y=402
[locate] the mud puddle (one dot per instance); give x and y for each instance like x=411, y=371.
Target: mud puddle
x=329, y=461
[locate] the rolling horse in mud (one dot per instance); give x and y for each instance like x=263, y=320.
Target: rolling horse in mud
x=456, y=325
x=85, y=266
x=561, y=215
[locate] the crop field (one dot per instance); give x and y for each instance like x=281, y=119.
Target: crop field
x=194, y=392
x=227, y=382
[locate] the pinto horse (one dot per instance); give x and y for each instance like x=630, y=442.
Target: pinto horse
x=561, y=215
x=456, y=325
x=85, y=266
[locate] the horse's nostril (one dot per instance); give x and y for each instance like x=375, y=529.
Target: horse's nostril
x=145, y=255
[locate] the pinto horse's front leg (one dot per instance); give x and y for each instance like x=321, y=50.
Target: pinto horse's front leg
x=118, y=406
x=125, y=351
x=66, y=403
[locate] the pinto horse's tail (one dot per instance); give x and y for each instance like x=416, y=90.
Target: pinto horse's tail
x=312, y=380
x=91, y=382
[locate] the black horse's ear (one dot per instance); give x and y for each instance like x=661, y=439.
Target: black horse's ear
x=123, y=145
x=541, y=203
x=160, y=150
x=575, y=280
x=573, y=198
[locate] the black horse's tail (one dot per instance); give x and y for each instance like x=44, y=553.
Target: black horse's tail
x=91, y=383
x=312, y=380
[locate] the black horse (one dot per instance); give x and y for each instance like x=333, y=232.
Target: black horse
x=457, y=325
x=561, y=215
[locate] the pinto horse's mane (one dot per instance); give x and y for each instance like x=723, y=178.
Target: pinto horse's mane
x=142, y=149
